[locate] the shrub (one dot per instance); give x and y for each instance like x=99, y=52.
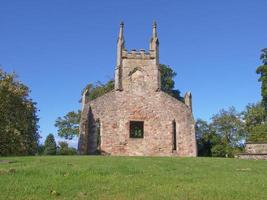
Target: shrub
x=50, y=145
x=64, y=149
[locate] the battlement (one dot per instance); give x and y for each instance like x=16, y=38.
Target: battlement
x=142, y=54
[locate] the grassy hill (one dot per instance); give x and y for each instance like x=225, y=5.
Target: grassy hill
x=84, y=177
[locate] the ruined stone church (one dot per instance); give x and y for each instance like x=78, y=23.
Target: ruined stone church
x=137, y=118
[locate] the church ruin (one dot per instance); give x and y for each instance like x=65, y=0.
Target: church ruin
x=137, y=118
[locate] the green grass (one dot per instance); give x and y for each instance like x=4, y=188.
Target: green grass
x=96, y=177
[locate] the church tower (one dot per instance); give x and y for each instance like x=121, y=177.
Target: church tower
x=137, y=71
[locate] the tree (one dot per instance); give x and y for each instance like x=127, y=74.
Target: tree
x=255, y=122
x=255, y=116
x=40, y=149
x=167, y=75
x=230, y=130
x=167, y=81
x=223, y=136
x=68, y=126
x=262, y=71
x=50, y=145
x=259, y=133
x=18, y=118
x=204, y=137
x=98, y=89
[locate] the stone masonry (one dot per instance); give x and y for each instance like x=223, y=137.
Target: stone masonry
x=168, y=127
x=254, y=151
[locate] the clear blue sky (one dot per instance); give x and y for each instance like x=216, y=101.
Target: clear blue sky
x=58, y=46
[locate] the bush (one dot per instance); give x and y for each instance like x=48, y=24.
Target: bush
x=259, y=133
x=64, y=149
x=218, y=150
x=40, y=150
x=50, y=145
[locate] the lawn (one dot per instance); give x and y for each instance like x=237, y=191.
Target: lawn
x=97, y=177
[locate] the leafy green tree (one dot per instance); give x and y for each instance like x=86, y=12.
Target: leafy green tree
x=18, y=118
x=220, y=150
x=223, y=136
x=64, y=149
x=259, y=133
x=68, y=126
x=40, y=149
x=230, y=129
x=167, y=76
x=255, y=122
x=50, y=145
x=204, y=137
x=255, y=115
x=98, y=89
x=262, y=71
x=167, y=81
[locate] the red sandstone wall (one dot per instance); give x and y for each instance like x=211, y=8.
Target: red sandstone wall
x=156, y=109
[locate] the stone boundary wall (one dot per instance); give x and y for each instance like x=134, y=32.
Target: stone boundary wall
x=254, y=151
x=256, y=148
x=252, y=156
